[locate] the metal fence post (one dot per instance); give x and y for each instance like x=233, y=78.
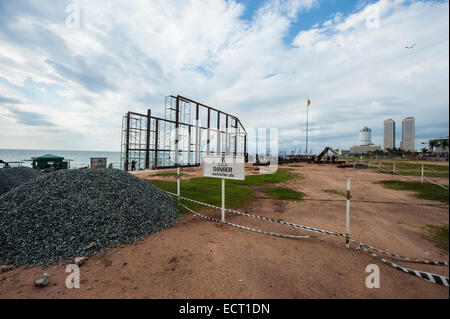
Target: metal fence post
x=178, y=185
x=347, y=219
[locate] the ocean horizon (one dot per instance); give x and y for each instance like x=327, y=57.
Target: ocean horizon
x=77, y=158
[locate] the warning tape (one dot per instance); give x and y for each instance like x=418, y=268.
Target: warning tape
x=317, y=230
x=434, y=278
x=432, y=182
x=244, y=227
x=445, y=187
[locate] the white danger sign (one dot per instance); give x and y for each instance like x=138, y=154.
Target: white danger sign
x=224, y=166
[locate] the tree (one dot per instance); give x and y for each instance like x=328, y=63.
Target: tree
x=444, y=144
x=433, y=144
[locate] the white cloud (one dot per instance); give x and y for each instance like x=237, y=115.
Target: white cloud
x=129, y=55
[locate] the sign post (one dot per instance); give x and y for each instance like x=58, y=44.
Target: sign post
x=223, y=199
x=224, y=167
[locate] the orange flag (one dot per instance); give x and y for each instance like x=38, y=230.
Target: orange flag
x=309, y=101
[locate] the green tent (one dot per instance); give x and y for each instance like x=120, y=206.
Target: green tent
x=47, y=160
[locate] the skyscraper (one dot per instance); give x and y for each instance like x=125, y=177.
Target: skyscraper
x=365, y=136
x=408, y=134
x=389, y=134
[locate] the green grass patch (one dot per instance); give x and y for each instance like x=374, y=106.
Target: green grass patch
x=424, y=191
x=437, y=234
x=412, y=166
x=401, y=164
x=284, y=193
x=296, y=165
x=281, y=175
x=209, y=190
x=168, y=174
x=335, y=191
x=428, y=174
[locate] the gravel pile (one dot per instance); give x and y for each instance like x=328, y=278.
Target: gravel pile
x=70, y=213
x=14, y=176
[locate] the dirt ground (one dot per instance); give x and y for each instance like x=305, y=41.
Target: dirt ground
x=196, y=258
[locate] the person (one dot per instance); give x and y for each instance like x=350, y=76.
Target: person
x=110, y=165
x=133, y=165
x=333, y=159
x=5, y=163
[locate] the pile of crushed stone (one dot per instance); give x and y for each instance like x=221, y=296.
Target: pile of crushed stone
x=14, y=176
x=69, y=213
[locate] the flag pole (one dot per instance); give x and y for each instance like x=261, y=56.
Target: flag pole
x=307, y=123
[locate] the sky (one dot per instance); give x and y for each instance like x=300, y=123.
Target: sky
x=69, y=70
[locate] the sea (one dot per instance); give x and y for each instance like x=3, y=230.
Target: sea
x=77, y=158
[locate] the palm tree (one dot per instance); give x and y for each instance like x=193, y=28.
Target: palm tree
x=433, y=144
x=424, y=151
x=444, y=144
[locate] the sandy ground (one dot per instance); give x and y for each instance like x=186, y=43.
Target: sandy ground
x=200, y=259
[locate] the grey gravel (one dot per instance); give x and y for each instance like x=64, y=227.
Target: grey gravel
x=42, y=281
x=71, y=213
x=14, y=176
x=80, y=260
x=6, y=268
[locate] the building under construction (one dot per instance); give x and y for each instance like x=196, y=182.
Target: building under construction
x=188, y=131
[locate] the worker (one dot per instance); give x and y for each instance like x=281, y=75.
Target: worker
x=333, y=159
x=5, y=163
x=133, y=165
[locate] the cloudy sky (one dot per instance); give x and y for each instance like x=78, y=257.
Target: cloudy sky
x=69, y=70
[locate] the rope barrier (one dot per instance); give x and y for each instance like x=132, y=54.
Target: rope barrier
x=244, y=227
x=435, y=183
x=434, y=278
x=428, y=262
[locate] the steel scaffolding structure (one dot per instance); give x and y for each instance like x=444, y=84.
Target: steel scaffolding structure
x=179, y=138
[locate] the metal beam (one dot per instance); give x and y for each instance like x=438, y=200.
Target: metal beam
x=127, y=146
x=218, y=151
x=147, y=152
x=156, y=142
x=177, y=126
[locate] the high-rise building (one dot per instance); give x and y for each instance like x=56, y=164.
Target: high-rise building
x=389, y=134
x=365, y=136
x=365, y=143
x=408, y=134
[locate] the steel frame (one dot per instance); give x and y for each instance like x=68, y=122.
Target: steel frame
x=176, y=139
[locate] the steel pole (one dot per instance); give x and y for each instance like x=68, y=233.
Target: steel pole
x=223, y=199
x=347, y=219
x=307, y=120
